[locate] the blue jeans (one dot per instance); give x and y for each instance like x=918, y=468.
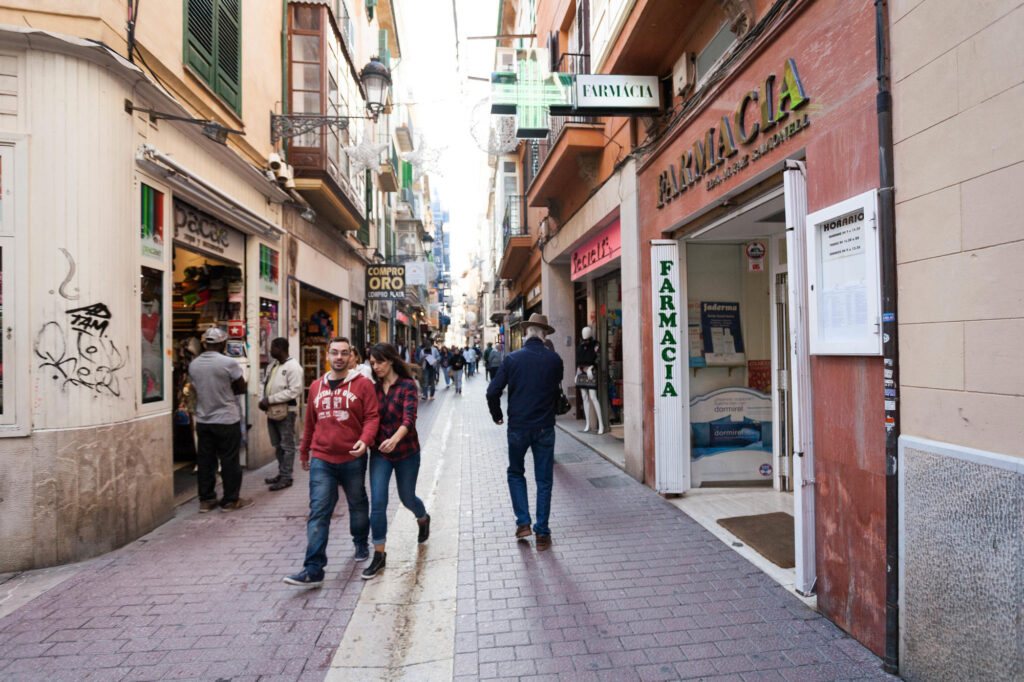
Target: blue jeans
x=406, y=470
x=324, y=479
x=542, y=442
x=447, y=376
x=457, y=378
x=429, y=379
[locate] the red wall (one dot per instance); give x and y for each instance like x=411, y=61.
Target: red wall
x=834, y=49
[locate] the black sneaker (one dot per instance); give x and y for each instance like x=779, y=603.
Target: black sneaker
x=424, y=529
x=362, y=553
x=376, y=566
x=304, y=579
x=272, y=480
x=282, y=484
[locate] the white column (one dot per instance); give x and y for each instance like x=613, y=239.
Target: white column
x=632, y=347
x=557, y=290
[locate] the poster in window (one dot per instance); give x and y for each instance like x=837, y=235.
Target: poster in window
x=152, y=326
x=152, y=223
x=720, y=329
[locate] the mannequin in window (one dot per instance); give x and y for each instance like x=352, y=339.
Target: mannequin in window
x=586, y=363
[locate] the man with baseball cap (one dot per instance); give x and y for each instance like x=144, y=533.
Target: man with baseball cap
x=218, y=382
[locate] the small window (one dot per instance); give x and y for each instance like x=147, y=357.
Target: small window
x=213, y=46
x=714, y=51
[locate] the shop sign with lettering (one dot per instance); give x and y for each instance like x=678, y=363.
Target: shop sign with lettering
x=203, y=232
x=742, y=138
x=604, y=248
x=385, y=282
x=617, y=92
x=670, y=390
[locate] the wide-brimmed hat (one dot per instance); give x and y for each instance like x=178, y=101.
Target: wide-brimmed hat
x=539, y=321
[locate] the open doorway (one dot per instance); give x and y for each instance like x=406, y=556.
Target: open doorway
x=741, y=412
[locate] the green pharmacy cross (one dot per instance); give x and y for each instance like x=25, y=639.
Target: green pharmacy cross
x=531, y=92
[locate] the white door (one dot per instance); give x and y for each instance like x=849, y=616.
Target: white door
x=795, y=183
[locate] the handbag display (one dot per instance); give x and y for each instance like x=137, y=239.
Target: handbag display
x=584, y=380
x=277, y=411
x=562, y=404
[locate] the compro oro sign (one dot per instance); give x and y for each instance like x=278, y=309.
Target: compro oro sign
x=385, y=282
x=670, y=452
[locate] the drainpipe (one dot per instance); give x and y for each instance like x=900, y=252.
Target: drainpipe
x=890, y=339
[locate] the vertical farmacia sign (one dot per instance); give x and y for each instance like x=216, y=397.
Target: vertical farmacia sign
x=671, y=449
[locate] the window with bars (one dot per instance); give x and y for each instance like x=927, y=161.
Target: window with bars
x=213, y=46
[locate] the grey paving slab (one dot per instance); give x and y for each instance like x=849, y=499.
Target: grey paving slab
x=631, y=589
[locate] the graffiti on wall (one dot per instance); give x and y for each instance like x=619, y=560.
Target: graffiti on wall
x=78, y=352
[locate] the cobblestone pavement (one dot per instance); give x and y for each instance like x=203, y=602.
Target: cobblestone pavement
x=632, y=589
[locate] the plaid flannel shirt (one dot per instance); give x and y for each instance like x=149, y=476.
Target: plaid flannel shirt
x=398, y=408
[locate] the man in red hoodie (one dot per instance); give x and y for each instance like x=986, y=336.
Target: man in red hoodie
x=341, y=423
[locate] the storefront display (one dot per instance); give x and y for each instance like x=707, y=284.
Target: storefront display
x=152, y=327
x=318, y=312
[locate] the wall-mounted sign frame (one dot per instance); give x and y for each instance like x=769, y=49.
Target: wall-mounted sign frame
x=385, y=282
x=844, y=278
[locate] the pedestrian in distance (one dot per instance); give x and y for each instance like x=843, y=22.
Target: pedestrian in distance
x=218, y=382
x=357, y=364
x=456, y=363
x=281, y=390
x=397, y=451
x=470, y=356
x=476, y=358
x=430, y=360
x=446, y=366
x=341, y=423
x=494, y=360
x=533, y=375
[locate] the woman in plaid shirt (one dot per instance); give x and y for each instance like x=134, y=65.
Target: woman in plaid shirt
x=398, y=450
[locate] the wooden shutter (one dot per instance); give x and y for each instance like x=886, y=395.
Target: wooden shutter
x=199, y=37
x=552, y=52
x=382, y=48
x=583, y=34
x=229, y=52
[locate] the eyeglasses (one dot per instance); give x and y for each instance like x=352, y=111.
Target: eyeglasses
x=342, y=353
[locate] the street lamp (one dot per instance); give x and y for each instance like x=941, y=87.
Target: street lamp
x=376, y=81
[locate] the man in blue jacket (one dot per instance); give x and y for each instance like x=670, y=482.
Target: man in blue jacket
x=533, y=375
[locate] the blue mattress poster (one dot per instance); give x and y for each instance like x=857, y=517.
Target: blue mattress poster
x=730, y=419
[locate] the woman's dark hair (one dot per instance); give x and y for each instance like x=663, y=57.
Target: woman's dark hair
x=385, y=351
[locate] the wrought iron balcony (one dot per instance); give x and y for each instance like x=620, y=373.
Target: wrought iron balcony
x=514, y=222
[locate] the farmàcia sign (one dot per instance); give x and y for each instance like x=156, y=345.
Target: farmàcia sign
x=715, y=157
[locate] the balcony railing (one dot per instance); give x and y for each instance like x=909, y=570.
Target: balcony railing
x=514, y=222
x=569, y=62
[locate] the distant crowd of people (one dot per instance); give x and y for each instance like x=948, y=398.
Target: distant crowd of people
x=360, y=416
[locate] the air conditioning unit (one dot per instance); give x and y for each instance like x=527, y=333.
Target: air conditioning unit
x=684, y=74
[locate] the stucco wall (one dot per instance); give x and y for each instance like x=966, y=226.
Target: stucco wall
x=958, y=72
x=72, y=494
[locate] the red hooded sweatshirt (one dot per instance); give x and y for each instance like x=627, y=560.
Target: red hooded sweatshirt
x=336, y=419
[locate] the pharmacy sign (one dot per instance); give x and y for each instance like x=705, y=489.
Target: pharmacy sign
x=671, y=449
x=533, y=94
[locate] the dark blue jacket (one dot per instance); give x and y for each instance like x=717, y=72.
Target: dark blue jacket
x=533, y=375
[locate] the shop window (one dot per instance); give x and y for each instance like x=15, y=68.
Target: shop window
x=213, y=46
x=269, y=276
x=152, y=327
x=152, y=223
x=268, y=328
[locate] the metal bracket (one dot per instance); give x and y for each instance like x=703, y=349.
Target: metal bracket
x=291, y=125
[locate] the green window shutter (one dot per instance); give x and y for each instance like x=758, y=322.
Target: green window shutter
x=382, y=48
x=364, y=230
x=406, y=175
x=199, y=40
x=229, y=52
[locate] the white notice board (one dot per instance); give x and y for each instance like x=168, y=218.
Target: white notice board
x=844, y=279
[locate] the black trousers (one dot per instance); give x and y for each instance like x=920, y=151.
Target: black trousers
x=219, y=442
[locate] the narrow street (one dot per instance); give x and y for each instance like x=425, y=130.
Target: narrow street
x=631, y=590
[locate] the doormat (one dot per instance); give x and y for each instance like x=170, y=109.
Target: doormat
x=770, y=535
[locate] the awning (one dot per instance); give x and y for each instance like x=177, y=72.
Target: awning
x=205, y=195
